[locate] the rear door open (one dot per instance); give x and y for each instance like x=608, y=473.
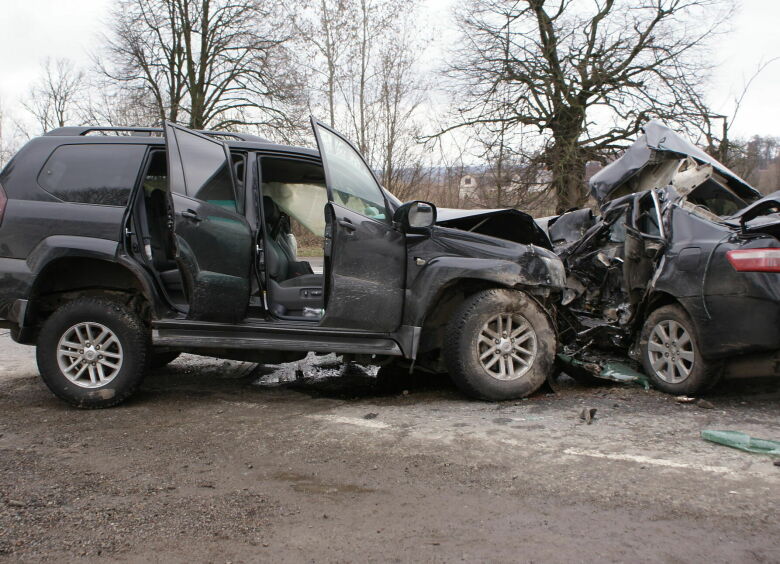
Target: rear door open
x=212, y=238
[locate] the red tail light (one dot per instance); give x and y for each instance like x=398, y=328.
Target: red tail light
x=3, y=202
x=755, y=260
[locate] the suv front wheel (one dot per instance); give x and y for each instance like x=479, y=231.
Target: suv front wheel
x=93, y=352
x=500, y=345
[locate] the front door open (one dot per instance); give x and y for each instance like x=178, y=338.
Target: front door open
x=365, y=256
x=212, y=238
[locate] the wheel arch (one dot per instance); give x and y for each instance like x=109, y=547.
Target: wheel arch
x=447, y=300
x=83, y=274
x=656, y=300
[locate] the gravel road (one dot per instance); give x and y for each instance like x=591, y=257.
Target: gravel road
x=218, y=461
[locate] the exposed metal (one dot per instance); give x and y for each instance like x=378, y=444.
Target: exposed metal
x=669, y=216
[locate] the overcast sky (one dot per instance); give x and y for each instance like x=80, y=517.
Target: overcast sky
x=35, y=29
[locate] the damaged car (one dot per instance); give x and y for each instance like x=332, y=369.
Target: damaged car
x=122, y=247
x=680, y=271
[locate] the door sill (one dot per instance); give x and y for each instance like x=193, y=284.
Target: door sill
x=273, y=335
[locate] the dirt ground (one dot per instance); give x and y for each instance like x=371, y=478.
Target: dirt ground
x=218, y=461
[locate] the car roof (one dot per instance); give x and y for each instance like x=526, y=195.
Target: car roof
x=153, y=136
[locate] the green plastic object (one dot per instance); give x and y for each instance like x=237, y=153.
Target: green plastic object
x=742, y=441
x=610, y=370
x=619, y=372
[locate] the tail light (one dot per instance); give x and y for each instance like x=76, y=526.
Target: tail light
x=3, y=202
x=755, y=260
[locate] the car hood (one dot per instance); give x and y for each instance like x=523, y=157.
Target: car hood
x=656, y=142
x=509, y=224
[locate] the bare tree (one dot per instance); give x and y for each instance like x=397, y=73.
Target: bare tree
x=212, y=63
x=715, y=128
x=585, y=76
x=323, y=29
x=54, y=97
x=401, y=95
x=7, y=138
x=362, y=62
x=106, y=105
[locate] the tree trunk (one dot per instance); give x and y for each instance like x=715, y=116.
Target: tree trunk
x=566, y=160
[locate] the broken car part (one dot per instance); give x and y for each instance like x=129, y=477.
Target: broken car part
x=742, y=441
x=679, y=271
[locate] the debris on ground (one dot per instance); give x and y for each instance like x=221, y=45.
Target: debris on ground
x=622, y=372
x=698, y=402
x=613, y=370
x=684, y=399
x=742, y=441
x=588, y=414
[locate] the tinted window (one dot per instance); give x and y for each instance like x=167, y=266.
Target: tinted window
x=92, y=174
x=206, y=170
x=350, y=180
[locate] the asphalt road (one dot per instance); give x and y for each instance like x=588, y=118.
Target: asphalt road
x=219, y=461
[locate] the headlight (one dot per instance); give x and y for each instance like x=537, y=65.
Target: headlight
x=556, y=271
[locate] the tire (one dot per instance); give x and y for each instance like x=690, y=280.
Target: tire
x=669, y=331
x=159, y=359
x=526, y=361
x=122, y=357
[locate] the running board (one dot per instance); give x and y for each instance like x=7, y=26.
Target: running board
x=177, y=334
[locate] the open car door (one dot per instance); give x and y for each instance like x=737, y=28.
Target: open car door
x=365, y=256
x=645, y=240
x=213, y=241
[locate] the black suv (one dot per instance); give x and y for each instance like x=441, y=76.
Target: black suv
x=121, y=248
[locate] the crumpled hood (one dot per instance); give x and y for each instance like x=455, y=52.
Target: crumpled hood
x=510, y=224
x=658, y=139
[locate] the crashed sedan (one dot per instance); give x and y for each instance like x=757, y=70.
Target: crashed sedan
x=680, y=270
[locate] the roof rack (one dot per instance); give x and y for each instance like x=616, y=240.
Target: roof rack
x=147, y=132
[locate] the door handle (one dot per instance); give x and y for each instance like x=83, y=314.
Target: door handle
x=189, y=214
x=347, y=224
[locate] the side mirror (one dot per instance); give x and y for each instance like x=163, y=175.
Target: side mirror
x=415, y=217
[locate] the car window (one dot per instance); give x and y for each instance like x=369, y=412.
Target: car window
x=92, y=173
x=647, y=221
x=206, y=170
x=715, y=198
x=351, y=183
x=617, y=231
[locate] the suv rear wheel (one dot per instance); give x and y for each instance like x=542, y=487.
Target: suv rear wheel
x=500, y=345
x=670, y=353
x=93, y=352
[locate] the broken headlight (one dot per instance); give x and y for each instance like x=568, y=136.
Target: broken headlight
x=555, y=270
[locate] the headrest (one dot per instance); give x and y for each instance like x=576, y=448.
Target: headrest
x=271, y=212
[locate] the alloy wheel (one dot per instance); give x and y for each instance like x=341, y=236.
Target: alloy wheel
x=671, y=353
x=507, y=346
x=89, y=355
